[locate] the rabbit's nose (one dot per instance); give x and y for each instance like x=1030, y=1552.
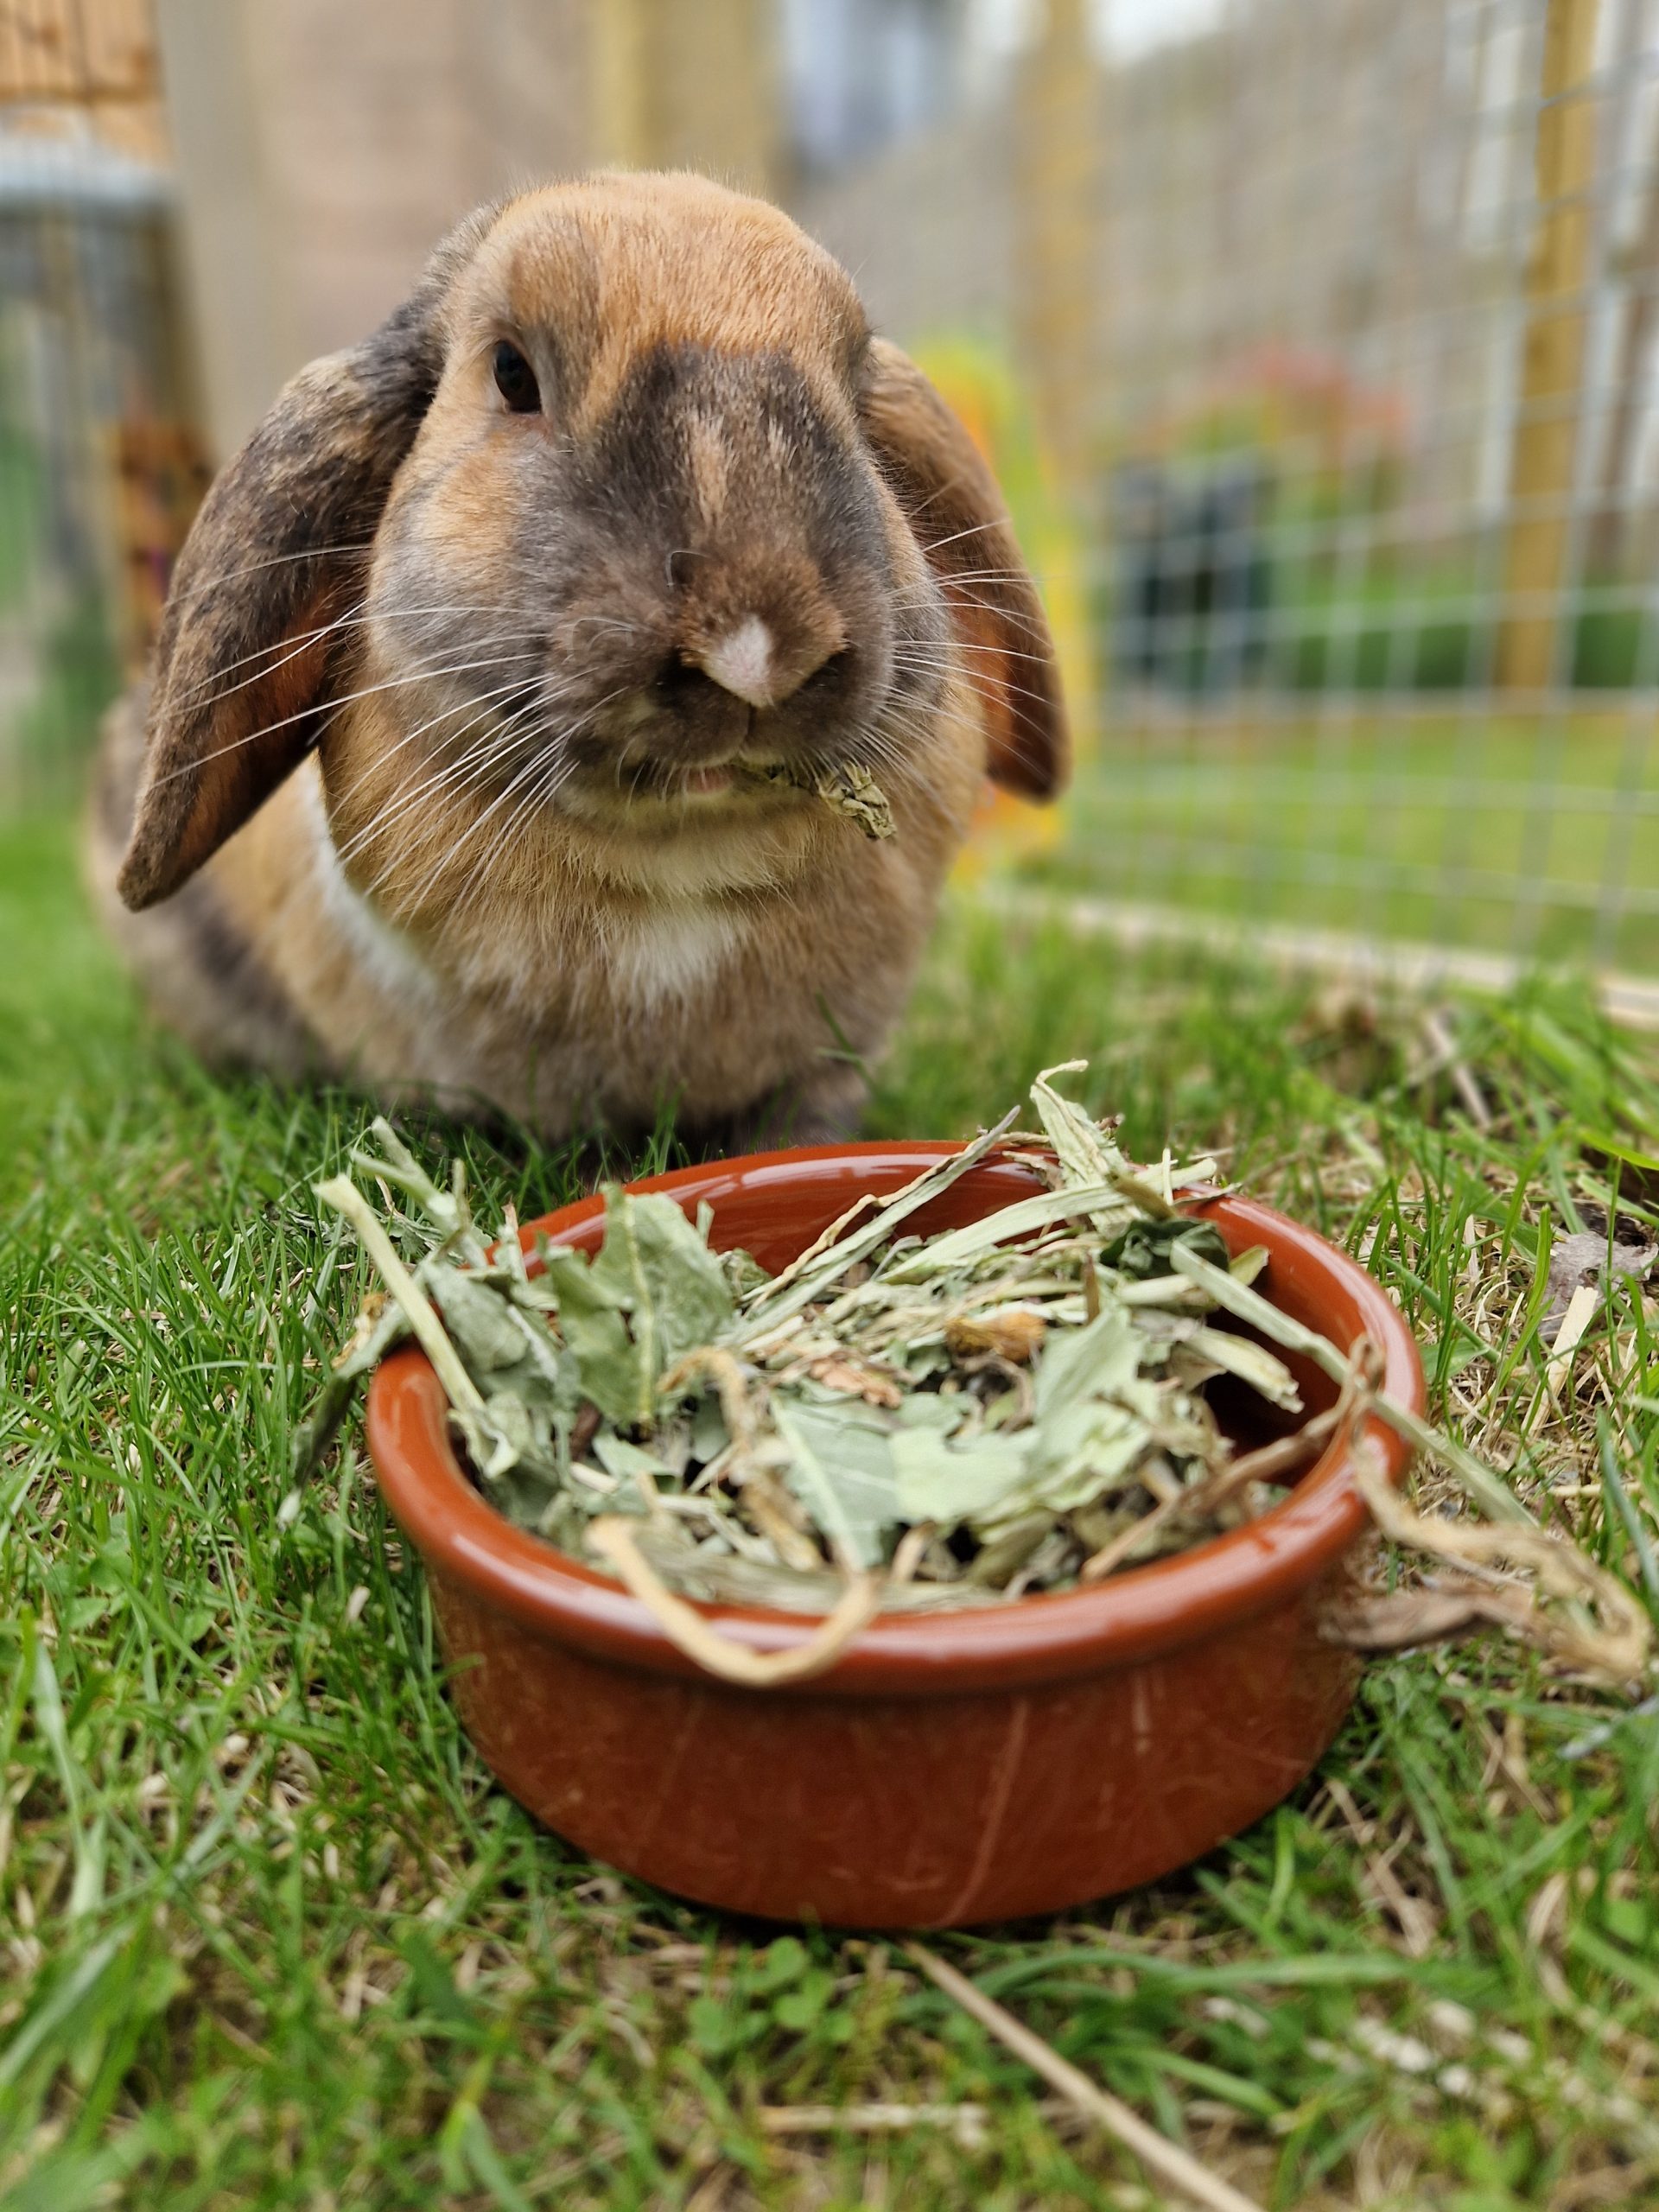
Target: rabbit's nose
x=743, y=661
x=757, y=665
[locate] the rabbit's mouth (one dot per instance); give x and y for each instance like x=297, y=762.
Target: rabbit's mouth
x=683, y=752
x=708, y=783
x=649, y=786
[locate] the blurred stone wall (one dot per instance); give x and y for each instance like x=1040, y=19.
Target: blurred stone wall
x=323, y=149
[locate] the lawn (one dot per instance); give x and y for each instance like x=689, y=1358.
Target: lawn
x=1454, y=825
x=273, y=1938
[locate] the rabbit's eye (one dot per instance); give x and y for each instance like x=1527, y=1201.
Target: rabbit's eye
x=516, y=380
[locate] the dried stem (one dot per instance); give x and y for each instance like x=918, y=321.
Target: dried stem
x=1155, y=2152
x=766, y=1497
x=612, y=1538
x=1617, y=1653
x=343, y=1195
x=1265, y=1465
x=1493, y=1496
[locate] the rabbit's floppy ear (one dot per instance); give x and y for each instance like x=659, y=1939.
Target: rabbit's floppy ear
x=957, y=515
x=277, y=555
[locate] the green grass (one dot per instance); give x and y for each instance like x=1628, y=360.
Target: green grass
x=1407, y=628
x=271, y=1935
x=1482, y=831
x=43, y=749
x=23, y=500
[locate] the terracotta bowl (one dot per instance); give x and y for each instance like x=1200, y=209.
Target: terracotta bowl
x=953, y=1767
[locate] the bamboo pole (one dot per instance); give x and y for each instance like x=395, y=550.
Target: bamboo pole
x=677, y=87
x=1543, y=457
x=1057, y=234
x=619, y=75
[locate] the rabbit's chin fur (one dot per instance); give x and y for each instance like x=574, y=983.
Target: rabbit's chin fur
x=699, y=522
x=430, y=867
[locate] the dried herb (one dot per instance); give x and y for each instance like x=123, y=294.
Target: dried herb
x=1143, y=1252
x=847, y=790
x=1007, y=1400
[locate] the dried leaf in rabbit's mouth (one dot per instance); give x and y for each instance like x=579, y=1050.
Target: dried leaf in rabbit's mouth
x=846, y=789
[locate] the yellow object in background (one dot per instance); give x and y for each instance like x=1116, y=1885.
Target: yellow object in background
x=979, y=386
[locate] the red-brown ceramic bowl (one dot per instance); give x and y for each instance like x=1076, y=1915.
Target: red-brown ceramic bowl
x=951, y=1767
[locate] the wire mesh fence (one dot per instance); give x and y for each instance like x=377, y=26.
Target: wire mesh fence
x=1338, y=324
x=1315, y=346
x=1384, y=643
x=100, y=462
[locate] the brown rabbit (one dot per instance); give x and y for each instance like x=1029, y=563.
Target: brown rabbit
x=454, y=769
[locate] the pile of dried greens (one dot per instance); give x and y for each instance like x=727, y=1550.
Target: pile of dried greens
x=1006, y=1407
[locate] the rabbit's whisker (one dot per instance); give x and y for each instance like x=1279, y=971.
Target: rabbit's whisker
x=1005, y=619
x=294, y=642
x=446, y=772
x=1014, y=742
x=555, y=741
x=961, y=581
x=274, y=561
x=451, y=774
x=291, y=646
x=467, y=771
x=333, y=707
x=287, y=648
x=605, y=622
x=979, y=683
x=524, y=811
x=932, y=545
x=520, y=813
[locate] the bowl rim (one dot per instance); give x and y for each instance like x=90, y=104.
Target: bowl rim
x=1187, y=1597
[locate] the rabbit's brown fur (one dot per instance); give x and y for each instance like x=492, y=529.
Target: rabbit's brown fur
x=449, y=774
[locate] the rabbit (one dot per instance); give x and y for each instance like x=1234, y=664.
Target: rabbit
x=477, y=754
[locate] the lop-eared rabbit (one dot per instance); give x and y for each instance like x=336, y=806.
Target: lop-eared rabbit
x=479, y=750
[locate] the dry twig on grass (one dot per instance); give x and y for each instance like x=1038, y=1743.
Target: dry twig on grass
x=1155, y=2152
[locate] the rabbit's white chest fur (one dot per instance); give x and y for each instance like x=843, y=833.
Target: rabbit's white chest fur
x=653, y=959
x=387, y=958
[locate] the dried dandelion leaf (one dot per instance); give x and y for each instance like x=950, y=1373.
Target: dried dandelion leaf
x=845, y=789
